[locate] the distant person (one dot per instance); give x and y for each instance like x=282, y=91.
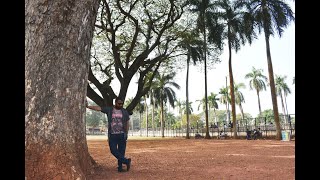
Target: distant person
x=248, y=137
x=118, y=126
x=224, y=127
x=215, y=126
x=230, y=124
x=256, y=133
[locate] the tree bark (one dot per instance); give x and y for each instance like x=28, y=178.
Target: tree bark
x=207, y=136
x=259, y=102
x=146, y=109
x=273, y=89
x=57, y=52
x=187, y=98
x=233, y=101
x=162, y=117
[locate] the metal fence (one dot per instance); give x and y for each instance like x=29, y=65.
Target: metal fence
x=265, y=124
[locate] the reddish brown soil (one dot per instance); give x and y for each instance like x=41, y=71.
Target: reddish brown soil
x=179, y=158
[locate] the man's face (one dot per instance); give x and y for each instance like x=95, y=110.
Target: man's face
x=118, y=104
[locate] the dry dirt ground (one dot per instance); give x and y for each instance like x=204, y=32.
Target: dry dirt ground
x=178, y=158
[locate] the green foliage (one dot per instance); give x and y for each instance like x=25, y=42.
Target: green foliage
x=94, y=119
x=268, y=114
x=132, y=38
x=193, y=118
x=257, y=80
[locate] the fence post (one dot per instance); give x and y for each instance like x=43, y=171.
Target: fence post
x=265, y=125
x=289, y=118
x=246, y=124
x=255, y=123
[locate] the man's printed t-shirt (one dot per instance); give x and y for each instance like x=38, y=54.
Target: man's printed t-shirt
x=116, y=124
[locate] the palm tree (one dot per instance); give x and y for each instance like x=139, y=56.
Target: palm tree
x=140, y=109
x=146, y=110
x=224, y=99
x=213, y=103
x=164, y=93
x=270, y=15
x=193, y=46
x=232, y=26
x=155, y=103
x=257, y=82
x=203, y=9
x=282, y=90
x=187, y=109
x=179, y=104
x=150, y=95
x=239, y=98
x=202, y=102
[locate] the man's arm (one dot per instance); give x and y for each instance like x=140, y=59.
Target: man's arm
x=127, y=128
x=96, y=108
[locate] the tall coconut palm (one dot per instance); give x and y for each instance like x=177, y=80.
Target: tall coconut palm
x=204, y=10
x=140, y=109
x=270, y=15
x=193, y=46
x=282, y=90
x=155, y=103
x=233, y=26
x=239, y=98
x=213, y=103
x=179, y=104
x=146, y=111
x=257, y=81
x=224, y=99
x=202, y=103
x=150, y=81
x=164, y=93
x=187, y=109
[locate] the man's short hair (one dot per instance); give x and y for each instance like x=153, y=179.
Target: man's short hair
x=118, y=98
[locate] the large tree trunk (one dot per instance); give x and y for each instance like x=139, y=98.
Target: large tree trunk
x=162, y=118
x=207, y=136
x=273, y=90
x=187, y=98
x=259, y=102
x=283, y=108
x=57, y=52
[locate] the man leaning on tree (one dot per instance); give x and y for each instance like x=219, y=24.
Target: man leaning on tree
x=118, y=126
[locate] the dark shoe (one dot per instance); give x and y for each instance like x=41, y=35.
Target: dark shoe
x=128, y=164
x=120, y=170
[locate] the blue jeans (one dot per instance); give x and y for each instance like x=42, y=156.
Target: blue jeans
x=117, y=145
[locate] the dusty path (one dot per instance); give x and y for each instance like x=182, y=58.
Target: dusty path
x=179, y=158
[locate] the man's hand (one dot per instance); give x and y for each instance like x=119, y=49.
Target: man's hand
x=125, y=136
